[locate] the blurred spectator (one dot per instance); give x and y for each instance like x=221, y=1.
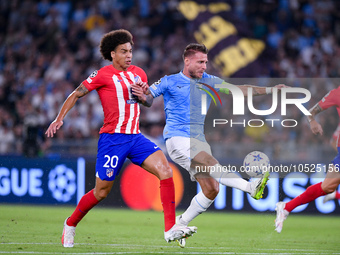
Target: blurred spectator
x=46, y=46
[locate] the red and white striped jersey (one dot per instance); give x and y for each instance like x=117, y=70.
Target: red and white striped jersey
x=121, y=110
x=331, y=99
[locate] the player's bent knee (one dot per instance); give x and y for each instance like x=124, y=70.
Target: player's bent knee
x=165, y=172
x=330, y=184
x=101, y=194
x=329, y=188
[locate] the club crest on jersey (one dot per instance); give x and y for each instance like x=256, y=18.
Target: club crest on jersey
x=136, y=78
x=109, y=172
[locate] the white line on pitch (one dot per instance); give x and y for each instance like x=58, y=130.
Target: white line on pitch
x=161, y=246
x=161, y=252
x=301, y=251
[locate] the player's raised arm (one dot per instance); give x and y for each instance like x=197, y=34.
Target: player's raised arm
x=314, y=125
x=257, y=91
x=70, y=101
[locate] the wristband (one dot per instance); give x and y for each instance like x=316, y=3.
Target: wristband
x=269, y=90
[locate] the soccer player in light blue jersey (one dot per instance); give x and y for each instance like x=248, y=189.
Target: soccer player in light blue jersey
x=184, y=130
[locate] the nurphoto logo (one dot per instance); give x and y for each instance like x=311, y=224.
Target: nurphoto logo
x=239, y=102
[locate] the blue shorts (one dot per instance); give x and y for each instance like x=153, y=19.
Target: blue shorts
x=113, y=149
x=336, y=160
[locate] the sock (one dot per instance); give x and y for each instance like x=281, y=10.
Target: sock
x=86, y=203
x=311, y=193
x=230, y=179
x=167, y=190
x=200, y=203
x=337, y=195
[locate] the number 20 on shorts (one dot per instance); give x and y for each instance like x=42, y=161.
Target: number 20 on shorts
x=111, y=161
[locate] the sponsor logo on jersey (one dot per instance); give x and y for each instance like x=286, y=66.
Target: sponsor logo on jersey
x=131, y=101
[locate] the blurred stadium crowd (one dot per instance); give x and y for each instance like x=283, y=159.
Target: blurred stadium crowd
x=47, y=47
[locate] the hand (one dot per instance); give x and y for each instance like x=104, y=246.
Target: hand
x=280, y=86
x=316, y=127
x=54, y=126
x=143, y=85
x=138, y=91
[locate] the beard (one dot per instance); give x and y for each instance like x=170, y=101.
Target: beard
x=194, y=75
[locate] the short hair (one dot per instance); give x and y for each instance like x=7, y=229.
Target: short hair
x=111, y=40
x=192, y=48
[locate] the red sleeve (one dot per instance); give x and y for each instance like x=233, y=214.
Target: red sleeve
x=142, y=74
x=94, y=81
x=331, y=99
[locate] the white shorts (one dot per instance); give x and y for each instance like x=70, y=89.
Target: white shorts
x=183, y=149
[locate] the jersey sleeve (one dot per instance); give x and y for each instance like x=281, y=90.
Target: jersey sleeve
x=142, y=74
x=158, y=87
x=217, y=80
x=94, y=81
x=213, y=80
x=144, y=77
x=330, y=99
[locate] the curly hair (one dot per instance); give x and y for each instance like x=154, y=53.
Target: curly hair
x=192, y=48
x=111, y=40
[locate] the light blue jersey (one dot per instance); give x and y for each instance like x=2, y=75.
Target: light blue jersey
x=183, y=103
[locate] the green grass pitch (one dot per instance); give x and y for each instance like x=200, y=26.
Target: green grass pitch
x=37, y=230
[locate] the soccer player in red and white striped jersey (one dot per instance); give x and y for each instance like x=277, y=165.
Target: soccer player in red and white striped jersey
x=121, y=112
x=332, y=180
x=119, y=87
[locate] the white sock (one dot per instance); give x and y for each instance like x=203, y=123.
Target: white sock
x=200, y=203
x=230, y=179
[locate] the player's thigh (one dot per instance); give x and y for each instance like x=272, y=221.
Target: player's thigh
x=112, y=152
x=149, y=156
x=179, y=150
x=183, y=149
x=203, y=159
x=158, y=165
x=201, y=154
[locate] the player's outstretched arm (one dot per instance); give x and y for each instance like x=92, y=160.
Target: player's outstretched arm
x=257, y=91
x=67, y=106
x=314, y=125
